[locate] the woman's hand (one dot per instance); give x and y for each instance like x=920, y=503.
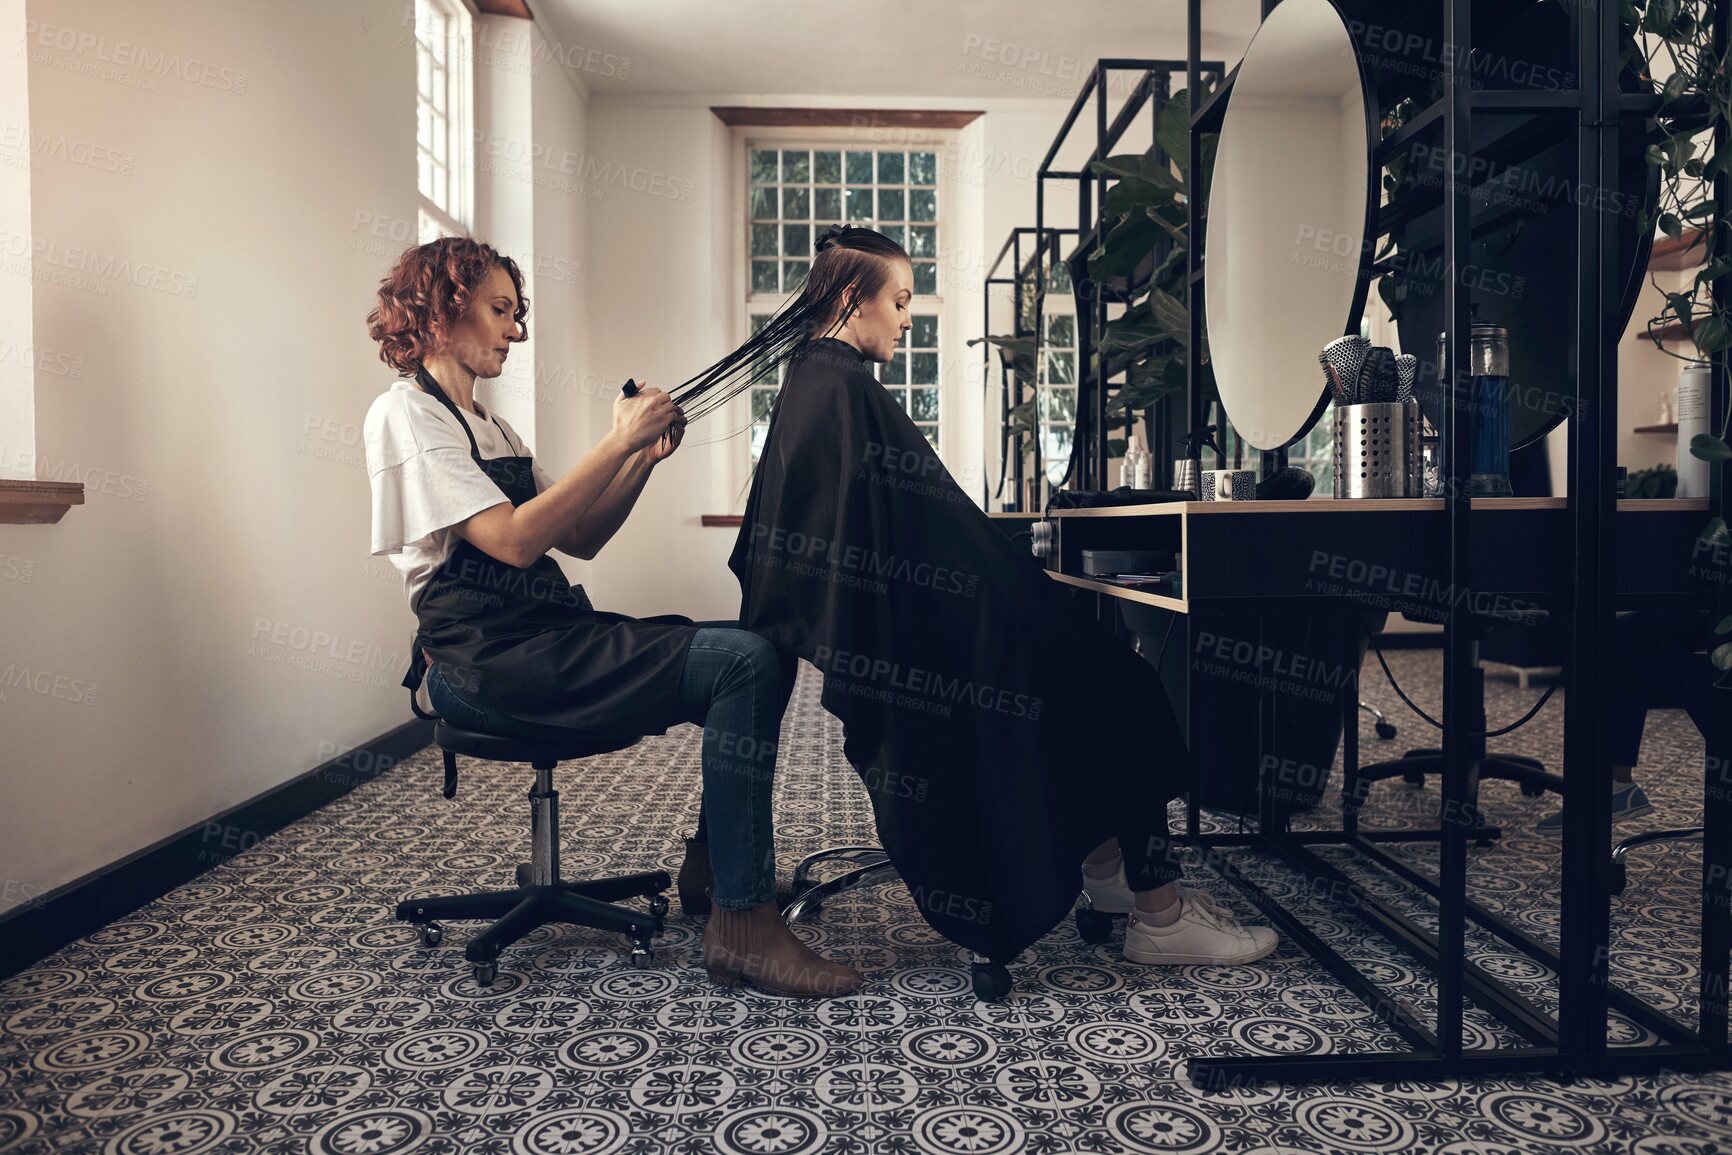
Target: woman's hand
x=642, y=419
x=669, y=441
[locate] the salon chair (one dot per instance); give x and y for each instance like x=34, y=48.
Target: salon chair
x=1620, y=873
x=541, y=896
x=868, y=865
x=1385, y=728
x=1529, y=773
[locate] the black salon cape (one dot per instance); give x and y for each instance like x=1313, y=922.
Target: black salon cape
x=1000, y=730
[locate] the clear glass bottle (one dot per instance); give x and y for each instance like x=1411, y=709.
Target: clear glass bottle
x=1487, y=406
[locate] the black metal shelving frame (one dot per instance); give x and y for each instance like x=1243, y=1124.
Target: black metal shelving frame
x=1153, y=88
x=1009, y=443
x=1575, y=1040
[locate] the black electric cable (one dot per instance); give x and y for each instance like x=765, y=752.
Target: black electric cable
x=1434, y=723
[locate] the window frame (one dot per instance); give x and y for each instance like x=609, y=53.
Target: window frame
x=731, y=470
x=457, y=219
x=1057, y=301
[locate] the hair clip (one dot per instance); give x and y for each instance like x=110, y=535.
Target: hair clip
x=830, y=236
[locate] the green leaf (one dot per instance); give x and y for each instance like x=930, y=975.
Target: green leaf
x=1173, y=131
x=1725, y=626
x=1393, y=292
x=1129, y=332
x=1172, y=272
x=1710, y=448
x=1137, y=166
x=1712, y=335
x=1670, y=225
x=1149, y=382
x=1723, y=657
x=1172, y=315
x=1714, y=271
x=1124, y=248
x=1716, y=533
x=1171, y=218
x=1133, y=194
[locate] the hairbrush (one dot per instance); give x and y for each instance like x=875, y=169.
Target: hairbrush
x=1331, y=380
x=1406, y=372
x=1368, y=384
x=1344, y=355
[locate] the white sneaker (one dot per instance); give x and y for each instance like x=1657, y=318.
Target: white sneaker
x=1110, y=895
x=1206, y=932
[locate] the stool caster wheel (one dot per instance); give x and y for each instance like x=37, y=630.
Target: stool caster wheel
x=1413, y=778
x=485, y=973
x=524, y=874
x=1093, y=926
x=641, y=957
x=1386, y=730
x=1620, y=877
x=991, y=981
x=1532, y=790
x=432, y=934
x=659, y=905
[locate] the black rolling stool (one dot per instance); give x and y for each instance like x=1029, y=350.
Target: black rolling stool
x=1412, y=767
x=540, y=896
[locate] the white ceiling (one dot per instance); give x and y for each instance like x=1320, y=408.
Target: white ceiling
x=958, y=50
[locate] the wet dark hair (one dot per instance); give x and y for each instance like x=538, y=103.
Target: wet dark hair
x=851, y=266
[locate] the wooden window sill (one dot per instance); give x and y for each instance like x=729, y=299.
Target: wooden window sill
x=724, y=519
x=37, y=502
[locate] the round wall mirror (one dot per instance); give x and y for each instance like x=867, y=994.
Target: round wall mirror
x=1289, y=210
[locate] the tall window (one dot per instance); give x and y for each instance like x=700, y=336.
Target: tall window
x=442, y=118
x=794, y=191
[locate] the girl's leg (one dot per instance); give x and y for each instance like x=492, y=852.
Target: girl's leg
x=1168, y=924
x=1152, y=868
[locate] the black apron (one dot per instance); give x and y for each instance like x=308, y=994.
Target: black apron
x=528, y=643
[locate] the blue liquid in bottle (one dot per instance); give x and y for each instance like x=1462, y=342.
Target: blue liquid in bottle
x=1490, y=457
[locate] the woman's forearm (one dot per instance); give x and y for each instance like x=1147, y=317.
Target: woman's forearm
x=612, y=507
x=561, y=513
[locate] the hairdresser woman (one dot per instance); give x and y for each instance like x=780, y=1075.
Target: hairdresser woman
x=468, y=517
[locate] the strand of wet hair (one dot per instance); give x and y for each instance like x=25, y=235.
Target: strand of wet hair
x=759, y=358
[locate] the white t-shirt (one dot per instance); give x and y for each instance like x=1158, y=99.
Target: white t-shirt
x=424, y=481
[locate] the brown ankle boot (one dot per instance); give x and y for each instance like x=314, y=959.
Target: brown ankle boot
x=755, y=945
x=695, y=879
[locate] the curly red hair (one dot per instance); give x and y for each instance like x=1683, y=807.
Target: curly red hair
x=427, y=291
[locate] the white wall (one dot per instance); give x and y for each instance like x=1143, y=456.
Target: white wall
x=209, y=625
x=659, y=311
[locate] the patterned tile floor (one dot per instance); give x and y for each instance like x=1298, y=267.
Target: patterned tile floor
x=273, y=1005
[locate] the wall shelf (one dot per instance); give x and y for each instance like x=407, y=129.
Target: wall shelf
x=1675, y=253
x=37, y=502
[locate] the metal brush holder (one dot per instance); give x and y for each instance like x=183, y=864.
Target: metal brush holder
x=1377, y=450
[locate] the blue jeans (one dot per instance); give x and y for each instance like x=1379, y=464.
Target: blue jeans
x=736, y=685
